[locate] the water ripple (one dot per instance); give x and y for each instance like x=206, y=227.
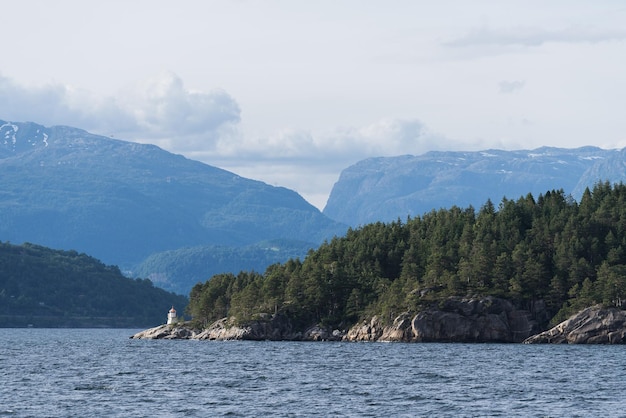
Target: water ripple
x=77, y=373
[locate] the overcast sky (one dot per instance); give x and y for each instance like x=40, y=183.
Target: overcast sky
x=291, y=92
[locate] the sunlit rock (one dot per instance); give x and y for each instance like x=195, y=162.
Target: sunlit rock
x=594, y=325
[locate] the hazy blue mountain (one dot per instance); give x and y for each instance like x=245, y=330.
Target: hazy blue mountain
x=121, y=202
x=179, y=270
x=385, y=189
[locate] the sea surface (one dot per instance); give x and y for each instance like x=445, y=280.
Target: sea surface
x=102, y=373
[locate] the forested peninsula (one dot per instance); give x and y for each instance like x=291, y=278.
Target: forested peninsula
x=43, y=287
x=548, y=251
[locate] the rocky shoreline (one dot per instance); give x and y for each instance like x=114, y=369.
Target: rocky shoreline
x=594, y=325
x=480, y=320
x=272, y=329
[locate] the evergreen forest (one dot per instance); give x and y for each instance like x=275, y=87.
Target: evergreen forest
x=43, y=287
x=569, y=254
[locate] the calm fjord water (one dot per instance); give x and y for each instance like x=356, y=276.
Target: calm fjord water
x=82, y=373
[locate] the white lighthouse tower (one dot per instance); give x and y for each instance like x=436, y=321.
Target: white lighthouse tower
x=171, y=316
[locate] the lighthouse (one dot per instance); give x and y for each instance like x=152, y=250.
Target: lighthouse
x=171, y=316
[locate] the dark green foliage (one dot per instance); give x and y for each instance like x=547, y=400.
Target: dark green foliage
x=52, y=288
x=551, y=248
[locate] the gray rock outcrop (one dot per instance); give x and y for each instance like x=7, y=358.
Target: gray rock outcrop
x=485, y=319
x=366, y=331
x=456, y=320
x=594, y=325
x=180, y=331
x=274, y=328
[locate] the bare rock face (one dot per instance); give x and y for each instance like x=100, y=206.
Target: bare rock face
x=367, y=331
x=456, y=320
x=474, y=320
x=594, y=325
x=222, y=330
x=400, y=330
x=273, y=328
x=166, y=332
x=320, y=333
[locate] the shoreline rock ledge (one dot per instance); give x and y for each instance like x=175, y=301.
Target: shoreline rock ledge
x=461, y=320
x=274, y=328
x=477, y=320
x=593, y=325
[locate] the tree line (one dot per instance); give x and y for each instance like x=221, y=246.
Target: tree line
x=551, y=248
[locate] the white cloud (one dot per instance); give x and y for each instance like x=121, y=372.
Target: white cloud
x=511, y=86
x=386, y=137
x=57, y=104
x=166, y=111
x=159, y=110
x=530, y=36
x=311, y=163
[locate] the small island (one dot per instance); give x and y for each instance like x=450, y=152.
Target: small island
x=502, y=274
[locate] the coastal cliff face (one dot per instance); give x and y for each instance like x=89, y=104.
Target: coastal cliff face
x=594, y=325
x=455, y=320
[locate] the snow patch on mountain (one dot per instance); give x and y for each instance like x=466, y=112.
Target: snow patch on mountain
x=9, y=131
x=389, y=188
x=22, y=137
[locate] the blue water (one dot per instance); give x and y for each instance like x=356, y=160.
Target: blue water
x=82, y=373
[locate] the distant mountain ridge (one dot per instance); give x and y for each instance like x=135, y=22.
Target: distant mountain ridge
x=388, y=188
x=120, y=201
x=179, y=270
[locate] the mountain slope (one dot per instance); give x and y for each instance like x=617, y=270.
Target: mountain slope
x=179, y=270
x=51, y=288
x=383, y=189
x=121, y=202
